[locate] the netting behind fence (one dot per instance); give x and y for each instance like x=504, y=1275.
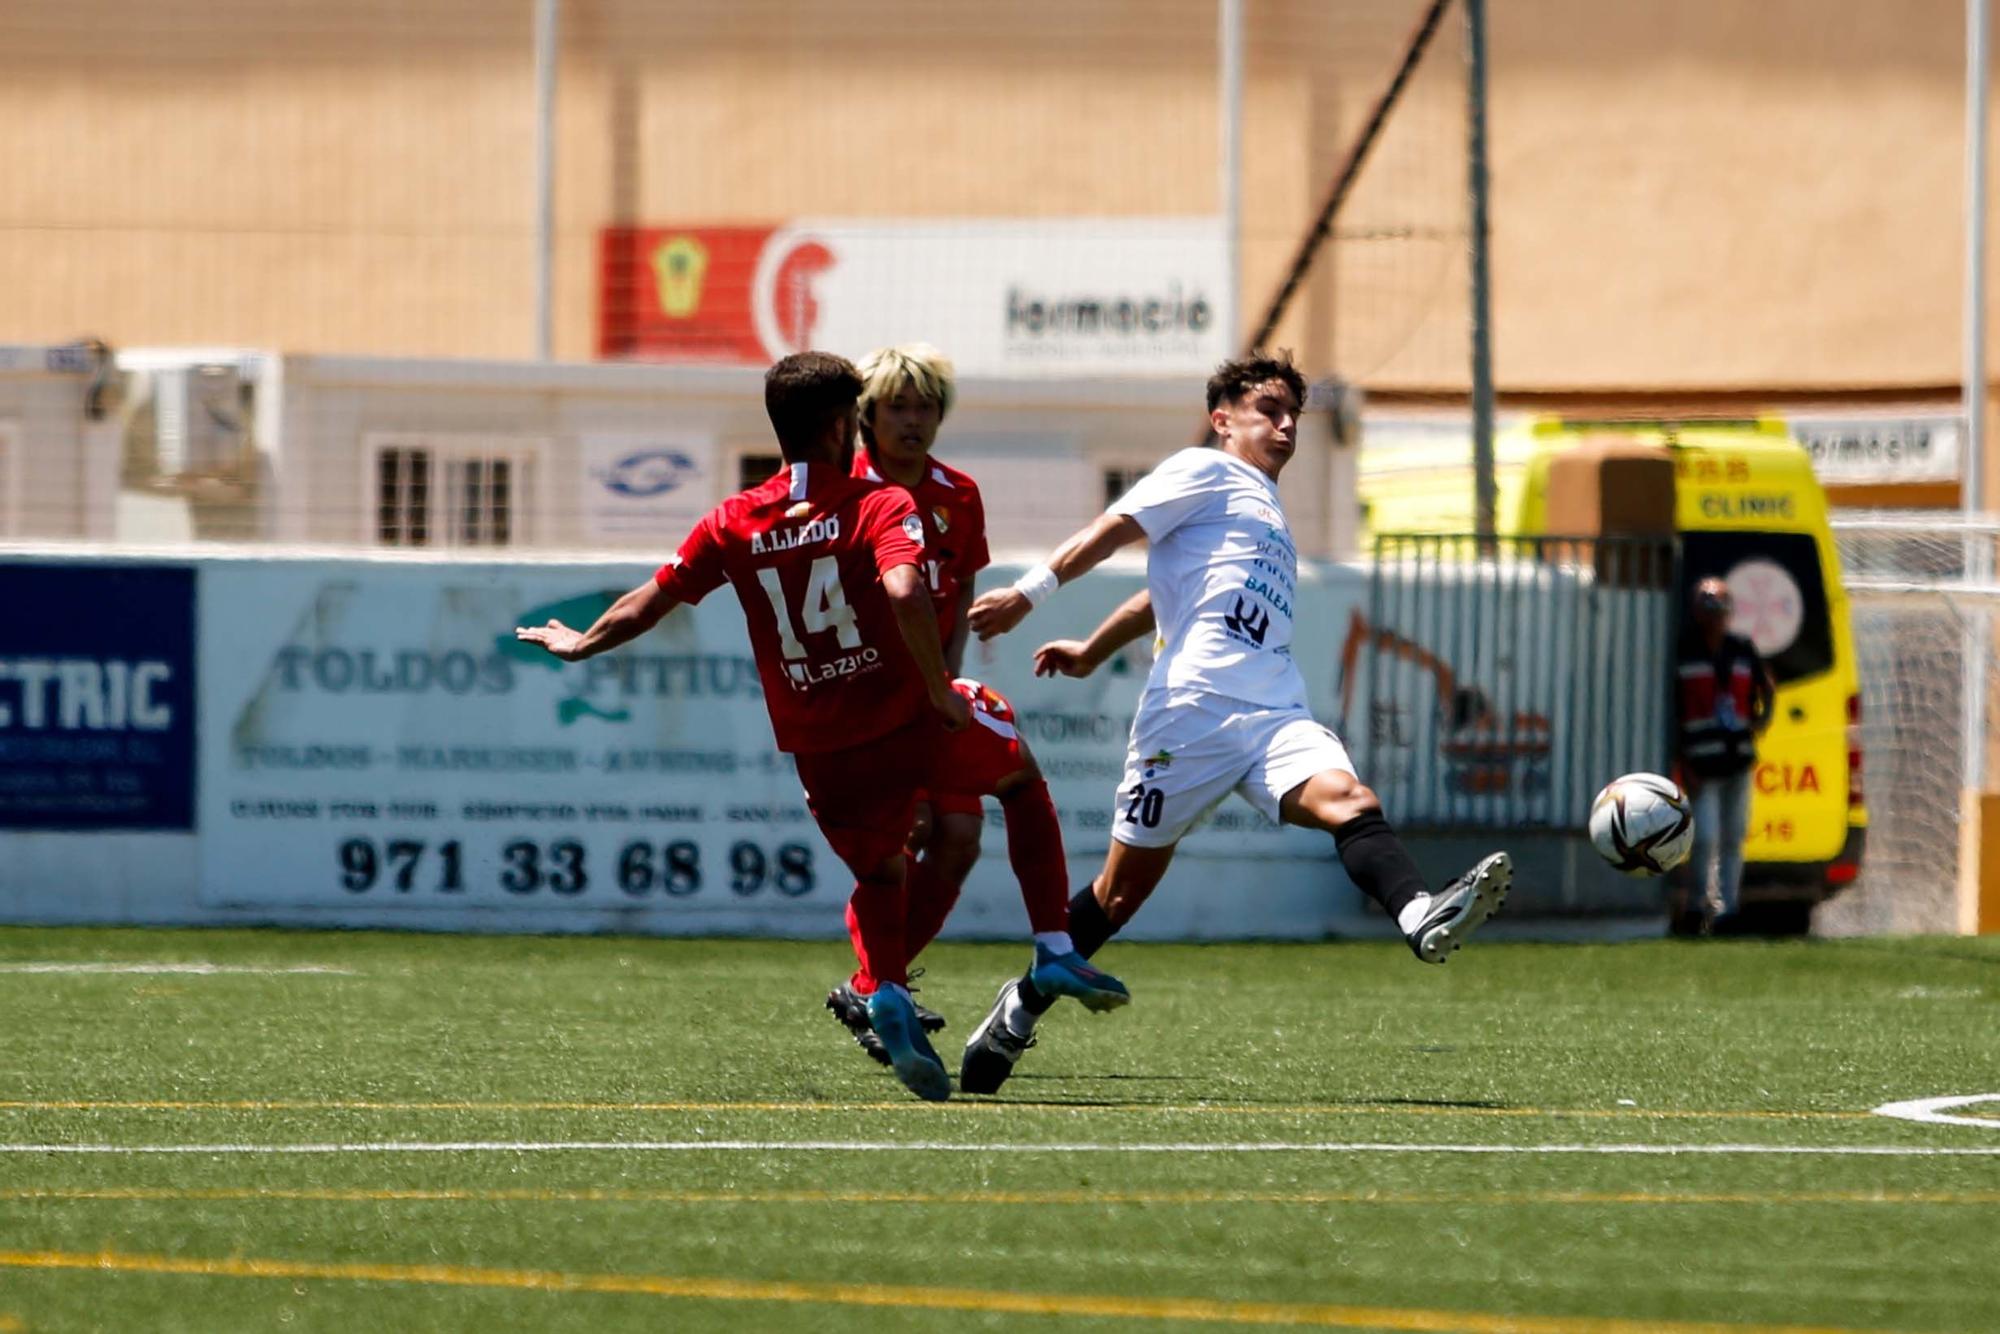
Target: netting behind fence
x=1922, y=607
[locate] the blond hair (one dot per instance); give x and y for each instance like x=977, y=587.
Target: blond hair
x=918, y=365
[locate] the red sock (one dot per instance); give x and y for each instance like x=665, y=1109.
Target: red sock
x=875, y=925
x=1035, y=848
x=931, y=898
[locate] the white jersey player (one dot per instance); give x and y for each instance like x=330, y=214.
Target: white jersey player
x=1225, y=707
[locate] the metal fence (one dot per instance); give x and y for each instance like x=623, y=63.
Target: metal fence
x=1506, y=679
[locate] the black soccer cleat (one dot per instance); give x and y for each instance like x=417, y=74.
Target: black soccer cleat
x=1451, y=915
x=850, y=1007
x=995, y=1046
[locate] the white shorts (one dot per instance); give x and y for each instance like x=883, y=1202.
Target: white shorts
x=1187, y=755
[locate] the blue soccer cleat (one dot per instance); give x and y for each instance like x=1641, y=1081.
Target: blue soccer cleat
x=894, y=1018
x=850, y=1007
x=1072, y=975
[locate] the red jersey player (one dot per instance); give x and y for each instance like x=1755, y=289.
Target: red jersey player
x=906, y=392
x=826, y=566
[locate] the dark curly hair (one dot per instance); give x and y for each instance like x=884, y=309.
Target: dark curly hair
x=1233, y=379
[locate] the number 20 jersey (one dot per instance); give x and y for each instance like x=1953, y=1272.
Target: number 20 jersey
x=805, y=553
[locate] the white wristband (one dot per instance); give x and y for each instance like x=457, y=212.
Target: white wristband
x=1036, y=584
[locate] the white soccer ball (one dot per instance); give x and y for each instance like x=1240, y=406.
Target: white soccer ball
x=1642, y=824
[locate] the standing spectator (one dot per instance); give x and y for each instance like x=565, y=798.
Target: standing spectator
x=1724, y=705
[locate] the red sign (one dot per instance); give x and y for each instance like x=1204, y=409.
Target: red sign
x=688, y=293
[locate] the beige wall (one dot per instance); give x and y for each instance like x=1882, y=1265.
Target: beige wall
x=1711, y=193
x=1717, y=193
x=58, y=469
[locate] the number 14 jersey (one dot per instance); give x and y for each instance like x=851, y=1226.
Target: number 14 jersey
x=805, y=553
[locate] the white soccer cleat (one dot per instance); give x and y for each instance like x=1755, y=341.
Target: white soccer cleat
x=994, y=1047
x=1439, y=923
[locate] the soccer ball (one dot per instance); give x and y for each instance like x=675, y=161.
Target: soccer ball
x=1642, y=824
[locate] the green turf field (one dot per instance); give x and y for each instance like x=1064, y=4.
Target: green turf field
x=736, y=1164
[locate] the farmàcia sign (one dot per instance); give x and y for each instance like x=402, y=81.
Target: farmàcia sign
x=1000, y=297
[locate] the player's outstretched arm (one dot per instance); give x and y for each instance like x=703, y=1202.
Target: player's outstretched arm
x=624, y=621
x=1081, y=657
x=999, y=611
x=911, y=601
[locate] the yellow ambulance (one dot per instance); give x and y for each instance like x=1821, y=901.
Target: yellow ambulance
x=1747, y=508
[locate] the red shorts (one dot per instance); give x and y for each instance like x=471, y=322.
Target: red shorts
x=953, y=803
x=864, y=798
x=972, y=763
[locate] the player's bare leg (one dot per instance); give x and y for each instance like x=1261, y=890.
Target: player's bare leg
x=1095, y=914
x=946, y=850
x=1376, y=860
x=948, y=853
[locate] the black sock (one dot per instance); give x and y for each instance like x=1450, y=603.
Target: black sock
x=1089, y=928
x=1377, y=862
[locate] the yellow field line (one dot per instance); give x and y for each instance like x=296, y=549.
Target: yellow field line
x=128, y=1194
x=1231, y=1109
x=878, y=1295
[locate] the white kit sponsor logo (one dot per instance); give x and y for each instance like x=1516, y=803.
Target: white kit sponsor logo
x=819, y=530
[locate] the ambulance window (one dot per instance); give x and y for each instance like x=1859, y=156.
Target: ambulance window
x=1778, y=592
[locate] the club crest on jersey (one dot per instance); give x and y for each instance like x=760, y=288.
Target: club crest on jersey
x=941, y=516
x=913, y=528
x=1163, y=760
x=819, y=530
x=1248, y=623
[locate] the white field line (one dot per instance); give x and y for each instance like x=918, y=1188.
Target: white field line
x=182, y=969
x=1933, y=1111
x=939, y=1146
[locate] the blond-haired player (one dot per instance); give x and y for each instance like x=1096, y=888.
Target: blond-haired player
x=906, y=391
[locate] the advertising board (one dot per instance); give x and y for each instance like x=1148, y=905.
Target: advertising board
x=98, y=684
x=1004, y=296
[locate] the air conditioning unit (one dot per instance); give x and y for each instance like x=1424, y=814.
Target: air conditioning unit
x=198, y=419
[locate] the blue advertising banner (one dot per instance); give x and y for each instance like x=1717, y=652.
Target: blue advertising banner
x=97, y=692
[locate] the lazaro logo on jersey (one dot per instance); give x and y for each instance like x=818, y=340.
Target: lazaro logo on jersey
x=819, y=530
x=805, y=675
